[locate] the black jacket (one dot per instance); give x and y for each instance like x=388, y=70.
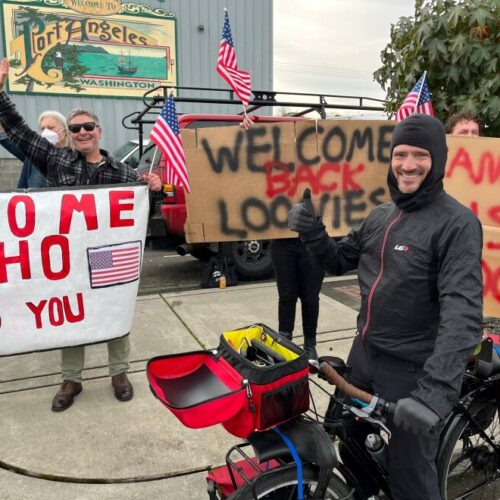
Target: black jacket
x=421, y=288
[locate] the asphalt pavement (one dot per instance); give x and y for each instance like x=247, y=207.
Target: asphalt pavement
x=101, y=448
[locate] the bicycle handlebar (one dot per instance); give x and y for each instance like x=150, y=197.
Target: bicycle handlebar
x=377, y=409
x=334, y=378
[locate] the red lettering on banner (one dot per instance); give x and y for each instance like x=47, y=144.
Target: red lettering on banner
x=285, y=181
x=29, y=215
x=487, y=165
x=46, y=246
x=37, y=311
x=70, y=203
x=117, y=206
x=59, y=310
x=23, y=259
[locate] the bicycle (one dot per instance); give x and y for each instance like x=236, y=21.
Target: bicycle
x=468, y=457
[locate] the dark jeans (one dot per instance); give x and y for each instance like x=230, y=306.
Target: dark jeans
x=412, y=459
x=298, y=275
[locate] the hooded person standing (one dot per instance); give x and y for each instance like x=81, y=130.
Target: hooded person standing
x=419, y=269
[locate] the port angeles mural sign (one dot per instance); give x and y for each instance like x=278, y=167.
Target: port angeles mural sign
x=88, y=47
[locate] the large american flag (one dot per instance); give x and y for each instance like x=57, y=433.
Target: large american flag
x=114, y=264
x=166, y=135
x=417, y=101
x=227, y=67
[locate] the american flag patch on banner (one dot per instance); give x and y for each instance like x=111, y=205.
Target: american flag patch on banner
x=114, y=264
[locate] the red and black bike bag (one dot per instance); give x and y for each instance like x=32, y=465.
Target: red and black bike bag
x=204, y=388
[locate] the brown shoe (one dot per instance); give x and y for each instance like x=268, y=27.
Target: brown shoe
x=65, y=395
x=123, y=388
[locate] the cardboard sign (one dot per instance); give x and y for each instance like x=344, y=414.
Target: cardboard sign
x=70, y=262
x=243, y=183
x=491, y=271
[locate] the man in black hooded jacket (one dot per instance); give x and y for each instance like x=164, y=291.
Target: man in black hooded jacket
x=419, y=271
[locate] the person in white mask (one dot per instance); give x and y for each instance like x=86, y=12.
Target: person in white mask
x=53, y=127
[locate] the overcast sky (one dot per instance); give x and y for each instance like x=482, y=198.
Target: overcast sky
x=332, y=46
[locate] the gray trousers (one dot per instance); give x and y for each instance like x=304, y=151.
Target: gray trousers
x=73, y=359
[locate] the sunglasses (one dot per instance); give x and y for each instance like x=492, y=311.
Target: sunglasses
x=87, y=126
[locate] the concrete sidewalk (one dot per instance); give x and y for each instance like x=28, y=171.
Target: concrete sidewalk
x=101, y=448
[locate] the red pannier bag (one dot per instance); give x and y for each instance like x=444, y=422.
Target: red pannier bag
x=204, y=388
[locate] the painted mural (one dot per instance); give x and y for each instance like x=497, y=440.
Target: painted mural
x=88, y=47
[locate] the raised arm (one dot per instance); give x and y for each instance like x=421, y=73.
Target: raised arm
x=31, y=144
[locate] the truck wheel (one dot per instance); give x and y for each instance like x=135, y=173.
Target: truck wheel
x=252, y=258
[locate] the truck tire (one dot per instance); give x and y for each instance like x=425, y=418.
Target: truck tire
x=252, y=258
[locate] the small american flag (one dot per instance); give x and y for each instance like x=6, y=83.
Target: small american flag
x=166, y=135
x=417, y=101
x=227, y=67
x=114, y=264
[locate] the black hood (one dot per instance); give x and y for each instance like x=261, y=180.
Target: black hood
x=422, y=131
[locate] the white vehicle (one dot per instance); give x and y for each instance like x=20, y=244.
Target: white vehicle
x=128, y=153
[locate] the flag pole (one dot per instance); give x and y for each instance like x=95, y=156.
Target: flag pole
x=424, y=76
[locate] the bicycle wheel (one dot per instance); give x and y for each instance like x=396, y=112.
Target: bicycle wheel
x=282, y=485
x=468, y=465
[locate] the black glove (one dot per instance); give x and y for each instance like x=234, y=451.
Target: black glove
x=415, y=417
x=302, y=217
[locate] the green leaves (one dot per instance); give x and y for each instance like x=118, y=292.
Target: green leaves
x=458, y=43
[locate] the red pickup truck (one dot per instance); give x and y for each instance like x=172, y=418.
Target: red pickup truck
x=251, y=258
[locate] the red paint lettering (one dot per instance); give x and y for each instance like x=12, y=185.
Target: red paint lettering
x=305, y=175
x=320, y=180
x=116, y=207
x=70, y=203
x=277, y=183
x=491, y=278
x=46, y=247
x=348, y=182
x=29, y=216
x=22, y=259
x=494, y=214
x=324, y=170
x=486, y=165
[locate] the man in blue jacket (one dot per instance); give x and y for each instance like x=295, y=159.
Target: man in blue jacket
x=419, y=269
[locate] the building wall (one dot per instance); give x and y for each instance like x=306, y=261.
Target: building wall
x=251, y=23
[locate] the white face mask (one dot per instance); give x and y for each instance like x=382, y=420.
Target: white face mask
x=50, y=135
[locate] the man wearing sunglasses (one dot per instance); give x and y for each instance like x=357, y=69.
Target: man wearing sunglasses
x=83, y=164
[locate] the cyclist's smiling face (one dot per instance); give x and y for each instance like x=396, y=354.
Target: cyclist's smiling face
x=410, y=166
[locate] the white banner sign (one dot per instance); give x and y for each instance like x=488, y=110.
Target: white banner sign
x=70, y=262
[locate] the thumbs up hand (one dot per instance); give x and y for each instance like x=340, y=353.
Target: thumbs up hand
x=302, y=216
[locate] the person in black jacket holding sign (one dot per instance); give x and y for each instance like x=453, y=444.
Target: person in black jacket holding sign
x=419, y=271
